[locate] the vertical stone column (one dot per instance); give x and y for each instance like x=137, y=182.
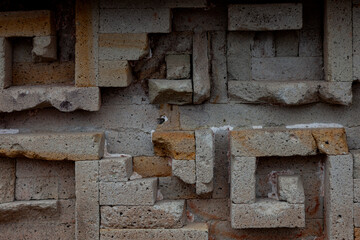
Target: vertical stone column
x=5, y=63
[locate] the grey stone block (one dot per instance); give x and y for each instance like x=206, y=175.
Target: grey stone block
x=7, y=180
x=63, y=98
x=136, y=192
x=243, y=181
x=87, y=200
x=164, y=214
x=339, y=197
x=53, y=146
x=178, y=66
x=197, y=231
x=263, y=45
x=44, y=49
x=185, y=170
x=338, y=41
x=5, y=63
x=135, y=20
x=205, y=158
x=201, y=68
x=291, y=189
x=115, y=169
x=173, y=188
x=36, y=188
x=287, y=43
x=265, y=17
x=356, y=157
x=287, y=69
x=336, y=92
x=267, y=213
x=310, y=43
x=170, y=91
x=357, y=190
x=357, y=214
x=155, y=3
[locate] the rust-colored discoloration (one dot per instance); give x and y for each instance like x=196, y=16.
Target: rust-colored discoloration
x=331, y=141
x=357, y=233
x=312, y=210
x=152, y=166
x=42, y=73
x=178, y=145
x=85, y=53
x=27, y=23
x=210, y=209
x=171, y=113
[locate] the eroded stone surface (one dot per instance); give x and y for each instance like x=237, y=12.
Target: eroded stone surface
x=116, y=169
x=170, y=91
x=44, y=49
x=114, y=73
x=291, y=189
x=7, y=180
x=331, y=141
x=178, y=66
x=185, y=170
x=243, y=181
x=152, y=166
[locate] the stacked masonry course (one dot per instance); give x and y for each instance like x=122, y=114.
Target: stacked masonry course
x=167, y=119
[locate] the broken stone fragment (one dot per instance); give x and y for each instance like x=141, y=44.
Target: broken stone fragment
x=44, y=49
x=185, y=170
x=291, y=189
x=178, y=66
x=177, y=92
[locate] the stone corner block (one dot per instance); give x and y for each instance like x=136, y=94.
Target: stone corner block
x=185, y=170
x=178, y=92
x=116, y=169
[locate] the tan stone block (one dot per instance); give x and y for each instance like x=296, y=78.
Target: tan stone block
x=126, y=46
x=115, y=73
x=42, y=73
x=331, y=141
x=178, y=92
x=152, y=166
x=53, y=146
x=178, y=145
x=357, y=233
x=86, y=45
x=26, y=23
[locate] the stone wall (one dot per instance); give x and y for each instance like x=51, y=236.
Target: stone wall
x=175, y=119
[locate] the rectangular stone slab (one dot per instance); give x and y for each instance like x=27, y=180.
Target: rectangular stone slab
x=265, y=17
x=53, y=146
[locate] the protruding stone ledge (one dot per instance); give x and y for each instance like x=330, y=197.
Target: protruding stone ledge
x=63, y=98
x=17, y=210
x=53, y=146
x=290, y=93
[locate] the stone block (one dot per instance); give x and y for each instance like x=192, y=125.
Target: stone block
x=197, y=231
x=357, y=233
x=291, y=189
x=63, y=98
x=205, y=158
x=310, y=43
x=204, y=210
x=170, y=91
x=265, y=17
x=263, y=45
x=87, y=200
x=155, y=3
x=338, y=41
x=136, y=192
x=170, y=115
x=185, y=170
x=27, y=23
x=331, y=141
x=336, y=92
x=36, y=188
x=86, y=45
x=287, y=44
x=356, y=157
x=116, y=73
x=287, y=69
x=53, y=146
x=339, y=197
x=66, y=187
x=173, y=188
x=44, y=49
x=201, y=68
x=152, y=166
x=243, y=180
x=146, y=20
x=115, y=169
x=7, y=180
x=178, y=66
x=357, y=190
x=356, y=214
x=257, y=143
x=218, y=73
x=179, y=145
x=267, y=213
x=280, y=93
x=164, y=214
x=126, y=46
x=5, y=63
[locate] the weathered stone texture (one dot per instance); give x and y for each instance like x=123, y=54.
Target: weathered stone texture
x=209, y=209
x=243, y=181
x=265, y=17
x=192, y=231
x=263, y=45
x=136, y=192
x=178, y=145
x=36, y=188
x=5, y=63
x=178, y=66
x=336, y=92
x=115, y=169
x=291, y=189
x=115, y=73
x=63, y=98
x=155, y=3
x=287, y=44
x=185, y=170
x=7, y=180
x=267, y=213
x=146, y=20
x=356, y=214
x=331, y=141
x=53, y=146
x=173, y=188
x=164, y=214
x=152, y=166
x=26, y=24
x=339, y=197
x=356, y=157
x=44, y=49
x=170, y=91
x=129, y=46
x=357, y=190
x=201, y=68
